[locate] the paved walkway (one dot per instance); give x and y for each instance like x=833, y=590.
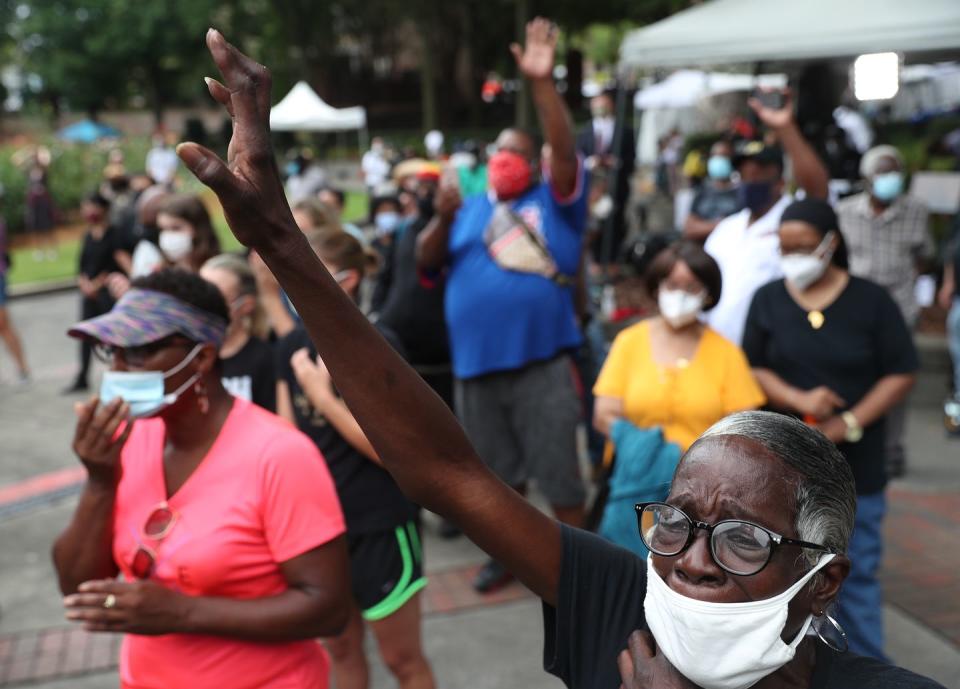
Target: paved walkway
x=472, y=641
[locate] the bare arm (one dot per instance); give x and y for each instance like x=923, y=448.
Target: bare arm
x=535, y=61
x=606, y=410
x=810, y=172
x=284, y=403
x=315, y=381
x=316, y=603
x=85, y=548
x=413, y=432
x=819, y=403
x=882, y=397
x=697, y=228
x=949, y=287
x=124, y=260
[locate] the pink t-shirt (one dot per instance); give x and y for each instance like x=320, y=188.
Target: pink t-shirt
x=261, y=496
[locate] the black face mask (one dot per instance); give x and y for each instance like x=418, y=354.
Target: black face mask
x=755, y=195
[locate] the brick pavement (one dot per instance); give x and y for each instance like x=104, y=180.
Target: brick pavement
x=68, y=651
x=921, y=569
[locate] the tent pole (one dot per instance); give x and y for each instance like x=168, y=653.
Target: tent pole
x=363, y=139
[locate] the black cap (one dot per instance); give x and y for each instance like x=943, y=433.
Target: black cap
x=759, y=152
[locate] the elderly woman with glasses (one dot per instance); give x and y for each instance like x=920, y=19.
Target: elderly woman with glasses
x=748, y=546
x=221, y=518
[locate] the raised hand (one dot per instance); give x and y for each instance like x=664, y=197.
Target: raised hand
x=775, y=118
x=96, y=440
x=248, y=183
x=535, y=59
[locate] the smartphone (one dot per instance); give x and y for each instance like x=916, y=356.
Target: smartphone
x=770, y=99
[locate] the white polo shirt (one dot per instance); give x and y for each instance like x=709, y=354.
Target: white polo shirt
x=749, y=258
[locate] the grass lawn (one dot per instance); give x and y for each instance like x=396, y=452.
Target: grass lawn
x=29, y=270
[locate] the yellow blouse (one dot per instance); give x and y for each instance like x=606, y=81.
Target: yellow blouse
x=684, y=400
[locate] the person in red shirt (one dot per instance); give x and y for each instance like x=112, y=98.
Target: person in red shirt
x=221, y=517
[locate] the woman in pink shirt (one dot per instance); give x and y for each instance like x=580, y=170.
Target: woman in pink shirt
x=222, y=519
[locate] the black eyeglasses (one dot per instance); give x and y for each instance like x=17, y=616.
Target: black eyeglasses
x=737, y=546
x=136, y=356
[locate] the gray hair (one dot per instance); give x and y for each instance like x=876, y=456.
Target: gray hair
x=871, y=159
x=826, y=498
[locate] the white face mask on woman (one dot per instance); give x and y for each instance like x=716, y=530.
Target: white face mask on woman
x=176, y=246
x=679, y=308
x=802, y=270
x=722, y=645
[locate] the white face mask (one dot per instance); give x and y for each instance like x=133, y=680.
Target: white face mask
x=722, y=645
x=802, y=270
x=176, y=246
x=679, y=308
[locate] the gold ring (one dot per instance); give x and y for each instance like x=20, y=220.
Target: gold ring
x=110, y=601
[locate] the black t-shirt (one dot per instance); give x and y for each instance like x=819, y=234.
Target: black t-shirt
x=369, y=496
x=711, y=203
x=96, y=255
x=413, y=311
x=863, y=338
x=250, y=374
x=600, y=603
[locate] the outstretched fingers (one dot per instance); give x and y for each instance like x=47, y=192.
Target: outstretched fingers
x=247, y=80
x=209, y=168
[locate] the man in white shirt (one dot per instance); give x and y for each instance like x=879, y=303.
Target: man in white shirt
x=745, y=244
x=374, y=165
x=161, y=163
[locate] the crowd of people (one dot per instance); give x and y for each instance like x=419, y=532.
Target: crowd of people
x=272, y=422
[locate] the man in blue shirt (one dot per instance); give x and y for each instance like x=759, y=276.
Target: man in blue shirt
x=511, y=256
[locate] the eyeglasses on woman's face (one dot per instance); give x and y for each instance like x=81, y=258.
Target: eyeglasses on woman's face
x=737, y=546
x=137, y=356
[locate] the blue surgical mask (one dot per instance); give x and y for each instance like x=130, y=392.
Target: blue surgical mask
x=887, y=186
x=144, y=390
x=719, y=167
x=755, y=195
x=386, y=222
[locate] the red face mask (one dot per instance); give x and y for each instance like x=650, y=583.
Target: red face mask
x=509, y=174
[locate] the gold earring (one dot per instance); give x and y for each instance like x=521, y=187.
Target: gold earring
x=203, y=401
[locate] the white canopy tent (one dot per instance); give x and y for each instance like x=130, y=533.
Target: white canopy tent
x=685, y=87
x=750, y=31
x=302, y=110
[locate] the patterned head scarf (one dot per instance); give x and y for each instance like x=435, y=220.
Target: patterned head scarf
x=143, y=316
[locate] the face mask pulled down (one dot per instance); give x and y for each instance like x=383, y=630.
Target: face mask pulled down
x=144, y=390
x=803, y=270
x=679, y=308
x=723, y=645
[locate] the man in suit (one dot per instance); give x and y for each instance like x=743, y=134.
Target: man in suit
x=611, y=166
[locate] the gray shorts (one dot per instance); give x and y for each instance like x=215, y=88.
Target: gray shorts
x=523, y=424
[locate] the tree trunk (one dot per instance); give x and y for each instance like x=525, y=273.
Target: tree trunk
x=428, y=78
x=523, y=107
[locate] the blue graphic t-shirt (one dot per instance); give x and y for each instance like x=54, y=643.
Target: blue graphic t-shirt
x=501, y=320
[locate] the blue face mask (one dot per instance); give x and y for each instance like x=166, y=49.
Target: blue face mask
x=887, y=186
x=386, y=222
x=144, y=390
x=719, y=167
x=755, y=195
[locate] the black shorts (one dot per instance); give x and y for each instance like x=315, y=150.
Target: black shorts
x=386, y=569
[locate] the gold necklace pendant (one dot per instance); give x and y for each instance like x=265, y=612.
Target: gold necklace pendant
x=816, y=319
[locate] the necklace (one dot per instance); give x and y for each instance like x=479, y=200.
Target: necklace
x=815, y=319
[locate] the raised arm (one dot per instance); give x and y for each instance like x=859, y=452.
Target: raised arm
x=810, y=172
x=413, y=432
x=535, y=61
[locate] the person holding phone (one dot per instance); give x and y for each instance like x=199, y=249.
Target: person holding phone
x=745, y=244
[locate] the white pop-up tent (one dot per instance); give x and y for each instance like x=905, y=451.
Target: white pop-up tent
x=302, y=110
x=751, y=31
x=685, y=87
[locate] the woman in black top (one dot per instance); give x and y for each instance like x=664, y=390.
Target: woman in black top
x=246, y=359
x=833, y=350
x=386, y=560
x=766, y=468
x=101, y=255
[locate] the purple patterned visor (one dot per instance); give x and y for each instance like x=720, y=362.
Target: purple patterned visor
x=144, y=316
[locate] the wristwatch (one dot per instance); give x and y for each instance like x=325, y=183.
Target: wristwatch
x=854, y=429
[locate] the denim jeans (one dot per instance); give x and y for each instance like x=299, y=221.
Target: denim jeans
x=860, y=605
x=953, y=339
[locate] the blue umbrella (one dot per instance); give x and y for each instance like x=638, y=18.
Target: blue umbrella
x=87, y=131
